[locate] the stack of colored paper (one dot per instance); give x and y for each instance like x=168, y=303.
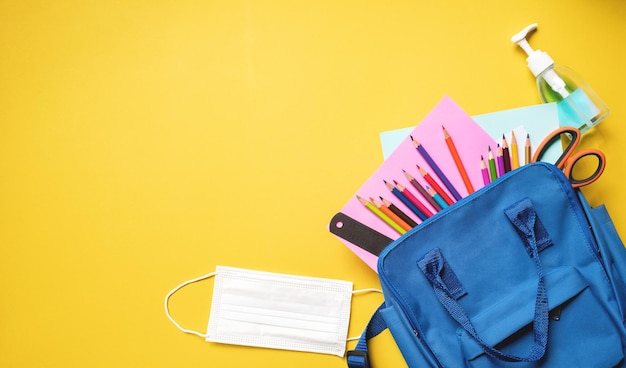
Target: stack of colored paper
x=420, y=162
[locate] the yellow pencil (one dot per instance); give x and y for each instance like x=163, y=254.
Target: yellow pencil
x=381, y=215
x=514, y=152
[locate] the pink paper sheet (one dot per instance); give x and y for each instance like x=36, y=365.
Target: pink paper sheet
x=471, y=142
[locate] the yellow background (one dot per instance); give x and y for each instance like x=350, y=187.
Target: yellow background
x=142, y=143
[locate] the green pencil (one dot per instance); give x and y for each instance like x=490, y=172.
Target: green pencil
x=492, y=165
x=381, y=215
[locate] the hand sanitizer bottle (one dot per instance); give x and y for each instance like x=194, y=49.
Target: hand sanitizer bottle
x=578, y=104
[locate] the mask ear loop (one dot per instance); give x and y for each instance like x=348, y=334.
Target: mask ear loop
x=363, y=291
x=167, y=298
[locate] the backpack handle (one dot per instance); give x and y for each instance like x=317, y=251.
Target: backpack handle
x=524, y=218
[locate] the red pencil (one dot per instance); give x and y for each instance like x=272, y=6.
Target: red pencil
x=422, y=191
x=434, y=185
x=413, y=199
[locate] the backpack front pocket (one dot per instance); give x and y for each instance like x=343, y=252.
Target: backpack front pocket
x=581, y=332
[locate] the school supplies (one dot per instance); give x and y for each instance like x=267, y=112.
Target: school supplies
x=527, y=150
x=514, y=152
x=433, y=165
x=506, y=158
x=568, y=160
x=485, y=171
x=406, y=157
x=398, y=212
x=509, y=275
x=370, y=242
x=535, y=120
x=458, y=161
x=383, y=216
x=429, y=179
x=422, y=190
x=493, y=171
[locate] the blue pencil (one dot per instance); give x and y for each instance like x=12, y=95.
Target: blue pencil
x=433, y=165
x=396, y=192
x=436, y=197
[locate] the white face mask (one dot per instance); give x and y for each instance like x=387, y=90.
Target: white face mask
x=279, y=311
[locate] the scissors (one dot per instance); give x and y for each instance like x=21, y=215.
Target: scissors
x=568, y=159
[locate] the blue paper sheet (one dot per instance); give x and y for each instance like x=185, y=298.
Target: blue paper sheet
x=536, y=120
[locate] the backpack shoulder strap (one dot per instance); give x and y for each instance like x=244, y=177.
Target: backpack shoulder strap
x=358, y=358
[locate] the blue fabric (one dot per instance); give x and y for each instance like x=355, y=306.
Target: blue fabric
x=358, y=358
x=515, y=275
x=523, y=216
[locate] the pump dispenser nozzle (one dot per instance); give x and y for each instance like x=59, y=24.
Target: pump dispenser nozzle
x=540, y=62
x=520, y=38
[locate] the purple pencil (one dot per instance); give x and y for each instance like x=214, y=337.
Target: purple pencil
x=500, y=161
x=484, y=170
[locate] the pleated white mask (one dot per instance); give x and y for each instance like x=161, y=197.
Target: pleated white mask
x=279, y=311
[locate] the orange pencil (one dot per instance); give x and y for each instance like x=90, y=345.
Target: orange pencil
x=384, y=209
x=370, y=206
x=457, y=161
x=434, y=185
x=393, y=208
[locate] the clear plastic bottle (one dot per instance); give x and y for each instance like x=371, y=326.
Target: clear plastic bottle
x=578, y=104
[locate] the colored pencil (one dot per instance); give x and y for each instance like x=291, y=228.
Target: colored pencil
x=384, y=209
x=514, y=152
x=429, y=179
x=457, y=161
x=484, y=171
x=433, y=165
x=437, y=197
x=422, y=191
x=407, y=193
x=505, y=155
x=499, y=161
x=398, y=212
x=396, y=192
x=381, y=215
x=492, y=165
x=527, y=150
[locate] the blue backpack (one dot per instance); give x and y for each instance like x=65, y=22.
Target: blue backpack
x=522, y=273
